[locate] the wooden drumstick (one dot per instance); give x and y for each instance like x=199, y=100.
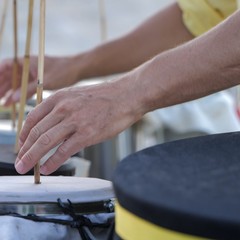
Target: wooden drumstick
x=103, y=25
x=25, y=74
x=40, y=71
x=15, y=60
x=3, y=20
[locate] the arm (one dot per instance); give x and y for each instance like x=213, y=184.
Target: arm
x=208, y=64
x=162, y=31
x=80, y=117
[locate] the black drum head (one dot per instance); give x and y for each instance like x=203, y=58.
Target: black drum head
x=190, y=186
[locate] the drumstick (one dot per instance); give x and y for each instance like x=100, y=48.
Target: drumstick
x=25, y=74
x=40, y=71
x=3, y=19
x=15, y=60
x=103, y=25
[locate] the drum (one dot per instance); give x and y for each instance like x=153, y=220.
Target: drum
x=58, y=208
x=181, y=190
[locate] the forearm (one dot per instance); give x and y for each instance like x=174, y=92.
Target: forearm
x=193, y=70
x=162, y=31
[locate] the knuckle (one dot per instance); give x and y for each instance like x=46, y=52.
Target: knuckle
x=62, y=108
x=45, y=139
x=22, y=152
x=56, y=96
x=28, y=158
x=62, y=151
x=22, y=137
x=34, y=133
x=70, y=127
x=30, y=120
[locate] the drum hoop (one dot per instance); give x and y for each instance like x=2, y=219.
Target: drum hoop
x=48, y=209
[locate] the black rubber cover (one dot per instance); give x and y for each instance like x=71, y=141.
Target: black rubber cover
x=191, y=186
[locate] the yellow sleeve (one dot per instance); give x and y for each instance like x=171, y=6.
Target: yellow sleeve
x=201, y=15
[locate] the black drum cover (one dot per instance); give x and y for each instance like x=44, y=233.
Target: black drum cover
x=190, y=186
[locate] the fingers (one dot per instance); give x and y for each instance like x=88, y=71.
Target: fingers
x=43, y=130
x=5, y=86
x=6, y=75
x=74, y=118
x=36, y=135
x=64, y=152
x=8, y=98
x=34, y=117
x=14, y=96
x=29, y=154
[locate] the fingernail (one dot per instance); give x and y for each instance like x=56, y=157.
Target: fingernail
x=19, y=166
x=16, y=96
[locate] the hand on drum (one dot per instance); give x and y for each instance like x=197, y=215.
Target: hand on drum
x=74, y=118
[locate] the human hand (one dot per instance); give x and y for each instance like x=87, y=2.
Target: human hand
x=59, y=72
x=73, y=118
x=6, y=75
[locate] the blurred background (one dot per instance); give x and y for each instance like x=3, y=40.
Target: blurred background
x=74, y=26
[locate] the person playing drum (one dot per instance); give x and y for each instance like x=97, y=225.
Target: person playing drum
x=104, y=110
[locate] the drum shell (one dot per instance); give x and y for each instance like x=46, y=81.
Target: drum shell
x=67, y=193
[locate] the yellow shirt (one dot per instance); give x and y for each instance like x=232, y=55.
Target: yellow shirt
x=201, y=15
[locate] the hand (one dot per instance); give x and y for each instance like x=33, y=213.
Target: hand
x=74, y=118
x=59, y=72
x=6, y=74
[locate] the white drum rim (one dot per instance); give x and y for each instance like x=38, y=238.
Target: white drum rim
x=21, y=189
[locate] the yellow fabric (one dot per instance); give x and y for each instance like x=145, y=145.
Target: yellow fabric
x=131, y=227
x=201, y=15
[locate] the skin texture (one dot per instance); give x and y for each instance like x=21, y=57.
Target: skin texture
x=78, y=117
